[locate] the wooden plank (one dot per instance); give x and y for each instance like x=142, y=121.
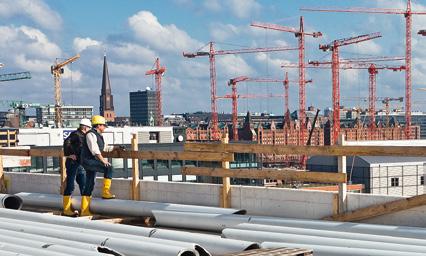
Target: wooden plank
x=135, y=190
x=3, y=188
x=63, y=173
x=288, y=175
x=169, y=155
x=380, y=209
x=160, y=155
x=335, y=150
x=341, y=165
x=226, y=181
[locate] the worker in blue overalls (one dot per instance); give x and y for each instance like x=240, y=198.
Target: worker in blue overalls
x=94, y=162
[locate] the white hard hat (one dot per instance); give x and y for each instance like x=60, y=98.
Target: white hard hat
x=86, y=122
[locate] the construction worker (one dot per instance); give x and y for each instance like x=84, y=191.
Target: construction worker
x=94, y=162
x=75, y=171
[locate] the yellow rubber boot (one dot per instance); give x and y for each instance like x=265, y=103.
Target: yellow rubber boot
x=67, y=207
x=85, y=206
x=106, y=192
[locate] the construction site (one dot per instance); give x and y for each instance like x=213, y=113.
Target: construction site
x=348, y=181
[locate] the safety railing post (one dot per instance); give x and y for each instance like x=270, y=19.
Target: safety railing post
x=63, y=173
x=341, y=164
x=135, y=171
x=226, y=181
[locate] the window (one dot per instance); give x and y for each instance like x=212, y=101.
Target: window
x=153, y=136
x=394, y=182
x=422, y=180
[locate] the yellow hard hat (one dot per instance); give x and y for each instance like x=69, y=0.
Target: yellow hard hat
x=98, y=120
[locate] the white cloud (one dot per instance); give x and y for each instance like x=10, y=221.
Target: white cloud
x=36, y=10
x=243, y=9
x=149, y=30
x=27, y=48
x=370, y=47
x=132, y=51
x=233, y=65
x=81, y=44
x=222, y=32
x=212, y=5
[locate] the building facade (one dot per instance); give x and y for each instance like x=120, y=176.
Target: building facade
x=396, y=176
x=142, y=108
x=106, y=104
x=71, y=115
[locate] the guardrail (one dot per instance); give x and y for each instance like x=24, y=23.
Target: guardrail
x=224, y=152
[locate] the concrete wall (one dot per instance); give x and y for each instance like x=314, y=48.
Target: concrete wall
x=278, y=202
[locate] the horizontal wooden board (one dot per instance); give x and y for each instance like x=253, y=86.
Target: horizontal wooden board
x=380, y=209
x=288, y=175
x=309, y=150
x=160, y=155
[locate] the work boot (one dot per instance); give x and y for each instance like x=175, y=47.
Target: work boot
x=106, y=192
x=68, y=208
x=85, y=206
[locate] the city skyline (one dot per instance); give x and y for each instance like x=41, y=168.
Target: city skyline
x=134, y=33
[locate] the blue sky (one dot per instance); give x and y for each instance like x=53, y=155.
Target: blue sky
x=133, y=32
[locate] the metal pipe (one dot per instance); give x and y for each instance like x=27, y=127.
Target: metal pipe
x=331, y=234
x=212, y=243
x=217, y=222
x=30, y=250
x=7, y=253
x=75, y=222
x=10, y=202
x=262, y=236
x=216, y=245
x=141, y=247
x=198, y=221
x=47, y=246
x=120, y=207
x=322, y=250
x=57, y=241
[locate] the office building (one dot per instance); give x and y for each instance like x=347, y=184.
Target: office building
x=142, y=107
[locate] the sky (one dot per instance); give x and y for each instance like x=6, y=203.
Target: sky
x=132, y=33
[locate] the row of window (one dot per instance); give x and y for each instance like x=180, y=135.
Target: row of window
x=395, y=181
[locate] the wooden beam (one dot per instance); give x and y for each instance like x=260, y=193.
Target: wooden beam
x=380, y=209
x=288, y=175
x=341, y=166
x=160, y=155
x=335, y=150
x=168, y=155
x=3, y=188
x=63, y=173
x=226, y=181
x=135, y=191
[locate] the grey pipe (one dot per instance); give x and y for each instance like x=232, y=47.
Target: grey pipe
x=212, y=243
x=261, y=236
x=7, y=253
x=57, y=241
x=30, y=250
x=120, y=207
x=199, y=221
x=331, y=234
x=75, y=222
x=47, y=246
x=216, y=245
x=10, y=202
x=217, y=222
x=141, y=247
x=322, y=250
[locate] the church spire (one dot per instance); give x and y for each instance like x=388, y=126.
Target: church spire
x=106, y=106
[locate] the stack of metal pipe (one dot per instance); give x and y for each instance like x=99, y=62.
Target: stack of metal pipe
x=324, y=237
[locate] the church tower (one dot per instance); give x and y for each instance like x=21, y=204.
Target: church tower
x=106, y=106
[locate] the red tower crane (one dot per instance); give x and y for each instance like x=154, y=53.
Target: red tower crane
x=212, y=54
x=158, y=71
x=334, y=47
x=373, y=70
x=234, y=96
x=300, y=34
x=408, y=13
x=234, y=81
